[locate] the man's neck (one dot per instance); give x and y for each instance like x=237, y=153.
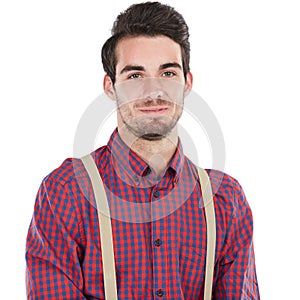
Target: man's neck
x=157, y=153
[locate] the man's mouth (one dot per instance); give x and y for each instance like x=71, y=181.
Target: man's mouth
x=153, y=109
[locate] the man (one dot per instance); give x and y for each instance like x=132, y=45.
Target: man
x=158, y=224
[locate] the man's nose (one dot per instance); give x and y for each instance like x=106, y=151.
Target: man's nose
x=154, y=95
x=152, y=88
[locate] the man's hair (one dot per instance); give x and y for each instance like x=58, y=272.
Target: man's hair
x=146, y=19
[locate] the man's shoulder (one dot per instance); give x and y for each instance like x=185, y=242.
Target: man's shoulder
x=219, y=179
x=72, y=169
x=222, y=180
x=227, y=191
x=69, y=168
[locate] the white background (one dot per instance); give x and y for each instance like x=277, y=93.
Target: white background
x=246, y=65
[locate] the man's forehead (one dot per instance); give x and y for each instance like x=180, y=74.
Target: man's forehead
x=147, y=51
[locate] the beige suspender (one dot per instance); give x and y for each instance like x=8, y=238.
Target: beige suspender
x=110, y=286
x=107, y=248
x=210, y=232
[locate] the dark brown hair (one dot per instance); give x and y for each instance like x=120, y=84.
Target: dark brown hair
x=146, y=19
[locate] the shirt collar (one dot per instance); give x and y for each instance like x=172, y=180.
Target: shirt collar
x=128, y=164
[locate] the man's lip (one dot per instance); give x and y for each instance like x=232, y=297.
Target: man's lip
x=153, y=109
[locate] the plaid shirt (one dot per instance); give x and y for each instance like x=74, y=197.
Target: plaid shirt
x=159, y=232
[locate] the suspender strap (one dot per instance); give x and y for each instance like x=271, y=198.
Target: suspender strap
x=107, y=249
x=211, y=232
x=108, y=260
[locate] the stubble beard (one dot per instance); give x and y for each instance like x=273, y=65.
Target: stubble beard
x=149, y=128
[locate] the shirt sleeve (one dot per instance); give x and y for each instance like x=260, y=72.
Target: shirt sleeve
x=54, y=245
x=236, y=274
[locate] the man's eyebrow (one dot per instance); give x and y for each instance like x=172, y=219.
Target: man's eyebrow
x=129, y=68
x=170, y=65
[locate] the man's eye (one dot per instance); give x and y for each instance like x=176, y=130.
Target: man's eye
x=169, y=74
x=134, y=76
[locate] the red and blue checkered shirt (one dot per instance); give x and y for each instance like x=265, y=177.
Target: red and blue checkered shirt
x=159, y=231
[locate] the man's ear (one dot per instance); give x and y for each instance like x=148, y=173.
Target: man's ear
x=188, y=83
x=109, y=87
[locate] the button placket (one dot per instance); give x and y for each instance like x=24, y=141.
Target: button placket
x=159, y=257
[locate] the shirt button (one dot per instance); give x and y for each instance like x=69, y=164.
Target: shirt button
x=148, y=171
x=156, y=194
x=158, y=242
x=160, y=293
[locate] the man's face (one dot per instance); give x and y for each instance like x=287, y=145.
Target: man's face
x=150, y=85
